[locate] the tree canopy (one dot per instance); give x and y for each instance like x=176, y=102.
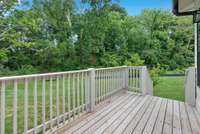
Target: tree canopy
x=54, y=36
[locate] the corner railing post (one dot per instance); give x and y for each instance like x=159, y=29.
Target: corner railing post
x=143, y=80
x=91, y=90
x=126, y=77
x=190, y=86
x=146, y=83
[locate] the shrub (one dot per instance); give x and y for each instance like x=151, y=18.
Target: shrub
x=155, y=73
x=27, y=69
x=135, y=60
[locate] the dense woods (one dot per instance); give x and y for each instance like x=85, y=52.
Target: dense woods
x=58, y=35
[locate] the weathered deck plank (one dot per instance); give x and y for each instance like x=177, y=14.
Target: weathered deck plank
x=150, y=124
x=161, y=117
x=117, y=118
x=95, y=115
x=176, y=119
x=141, y=125
x=120, y=129
x=111, y=116
x=98, y=118
x=121, y=119
x=194, y=124
x=137, y=114
x=186, y=127
x=132, y=123
x=168, y=118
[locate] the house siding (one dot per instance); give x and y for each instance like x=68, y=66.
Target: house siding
x=198, y=99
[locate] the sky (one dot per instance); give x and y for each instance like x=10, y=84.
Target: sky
x=135, y=7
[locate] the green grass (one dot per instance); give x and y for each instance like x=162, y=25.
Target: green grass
x=20, y=91
x=20, y=98
x=170, y=87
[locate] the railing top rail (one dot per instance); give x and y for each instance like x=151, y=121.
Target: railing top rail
x=110, y=68
x=40, y=75
x=136, y=67
x=120, y=67
x=60, y=73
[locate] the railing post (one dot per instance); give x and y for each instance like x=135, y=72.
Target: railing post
x=146, y=83
x=126, y=77
x=190, y=86
x=91, y=90
x=143, y=80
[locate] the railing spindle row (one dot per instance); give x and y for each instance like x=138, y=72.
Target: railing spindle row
x=45, y=101
x=135, y=79
x=108, y=81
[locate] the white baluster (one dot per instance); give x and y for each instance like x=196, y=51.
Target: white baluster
x=63, y=97
x=26, y=107
x=15, y=107
x=2, y=128
x=51, y=102
x=35, y=105
x=57, y=100
x=43, y=104
x=78, y=95
x=82, y=91
x=69, y=97
x=73, y=93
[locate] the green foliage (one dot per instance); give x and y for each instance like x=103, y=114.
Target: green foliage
x=155, y=75
x=3, y=57
x=110, y=60
x=27, y=69
x=54, y=35
x=135, y=60
x=6, y=5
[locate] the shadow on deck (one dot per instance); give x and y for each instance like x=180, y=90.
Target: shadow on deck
x=127, y=113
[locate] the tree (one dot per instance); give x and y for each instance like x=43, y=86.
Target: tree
x=6, y=6
x=53, y=36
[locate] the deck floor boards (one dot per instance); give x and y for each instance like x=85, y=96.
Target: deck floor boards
x=131, y=113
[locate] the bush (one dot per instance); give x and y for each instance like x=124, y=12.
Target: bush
x=7, y=72
x=155, y=73
x=27, y=69
x=135, y=60
x=110, y=60
x=3, y=57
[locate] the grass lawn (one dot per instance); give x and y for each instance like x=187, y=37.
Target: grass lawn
x=20, y=98
x=171, y=87
x=79, y=89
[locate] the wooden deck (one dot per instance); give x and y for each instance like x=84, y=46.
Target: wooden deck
x=128, y=113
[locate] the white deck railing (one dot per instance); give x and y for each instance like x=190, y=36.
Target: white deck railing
x=134, y=81
x=38, y=103
x=108, y=81
x=190, y=86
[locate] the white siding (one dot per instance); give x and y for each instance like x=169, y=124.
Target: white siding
x=198, y=99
